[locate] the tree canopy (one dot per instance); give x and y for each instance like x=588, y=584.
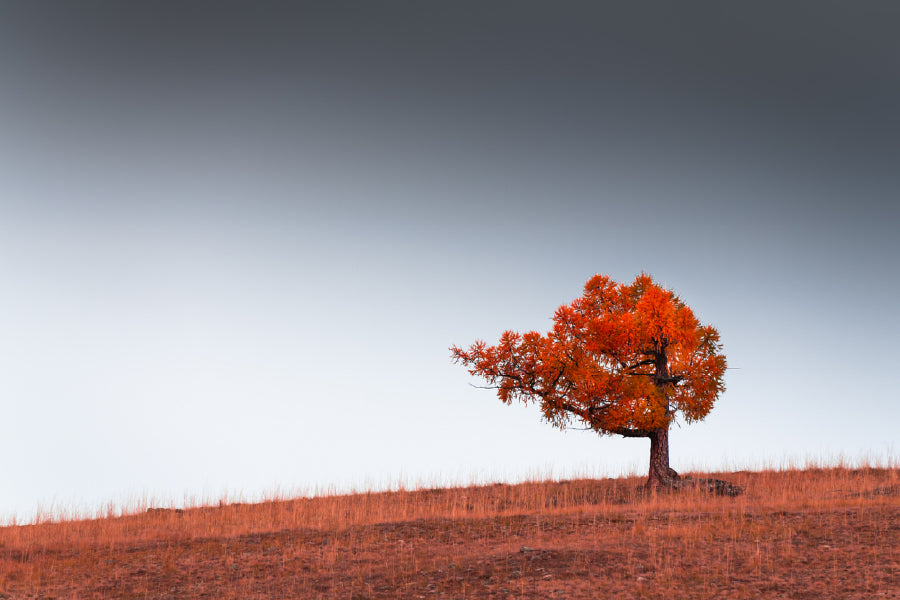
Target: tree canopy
x=622, y=359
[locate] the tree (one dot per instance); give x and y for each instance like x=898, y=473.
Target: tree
x=622, y=359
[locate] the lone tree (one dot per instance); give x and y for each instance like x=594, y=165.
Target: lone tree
x=622, y=359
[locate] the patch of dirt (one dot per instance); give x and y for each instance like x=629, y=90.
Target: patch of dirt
x=773, y=543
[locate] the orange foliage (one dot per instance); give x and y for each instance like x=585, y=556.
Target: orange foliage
x=622, y=359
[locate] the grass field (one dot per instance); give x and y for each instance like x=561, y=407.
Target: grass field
x=813, y=533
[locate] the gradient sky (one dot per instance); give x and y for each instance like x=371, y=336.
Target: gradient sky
x=237, y=241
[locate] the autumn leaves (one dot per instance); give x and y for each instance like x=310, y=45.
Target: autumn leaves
x=622, y=358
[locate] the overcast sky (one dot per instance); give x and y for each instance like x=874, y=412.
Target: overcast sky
x=237, y=242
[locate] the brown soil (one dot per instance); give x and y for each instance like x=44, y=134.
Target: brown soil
x=803, y=534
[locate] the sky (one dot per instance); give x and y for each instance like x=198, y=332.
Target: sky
x=237, y=240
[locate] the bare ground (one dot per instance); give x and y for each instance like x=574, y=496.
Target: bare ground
x=550, y=540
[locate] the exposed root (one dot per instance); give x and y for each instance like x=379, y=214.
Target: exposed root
x=674, y=482
x=719, y=487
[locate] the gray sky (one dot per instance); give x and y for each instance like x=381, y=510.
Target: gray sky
x=236, y=242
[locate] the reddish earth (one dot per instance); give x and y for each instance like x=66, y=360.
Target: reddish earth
x=814, y=534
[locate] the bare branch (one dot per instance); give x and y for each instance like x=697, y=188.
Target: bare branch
x=485, y=387
x=632, y=433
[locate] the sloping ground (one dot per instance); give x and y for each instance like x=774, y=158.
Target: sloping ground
x=801, y=534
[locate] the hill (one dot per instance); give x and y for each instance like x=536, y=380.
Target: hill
x=817, y=533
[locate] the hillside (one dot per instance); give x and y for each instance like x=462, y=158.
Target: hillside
x=820, y=533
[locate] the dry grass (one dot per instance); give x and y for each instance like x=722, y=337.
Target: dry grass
x=816, y=533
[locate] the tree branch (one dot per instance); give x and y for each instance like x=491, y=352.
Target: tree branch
x=632, y=433
x=649, y=361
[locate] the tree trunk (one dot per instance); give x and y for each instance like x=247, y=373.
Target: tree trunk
x=661, y=475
